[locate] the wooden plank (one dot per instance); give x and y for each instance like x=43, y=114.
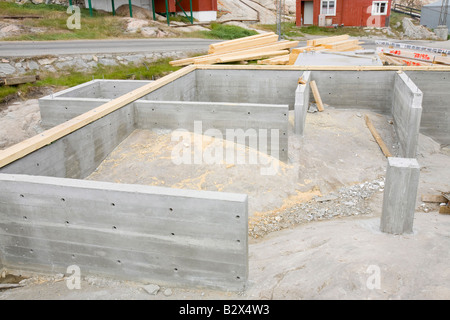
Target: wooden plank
x=434, y=198
x=234, y=41
x=378, y=138
x=34, y=143
x=327, y=40
x=342, y=44
x=10, y=81
x=418, y=55
x=281, y=60
x=324, y=68
x=281, y=45
x=444, y=209
x=245, y=44
x=252, y=56
x=316, y=94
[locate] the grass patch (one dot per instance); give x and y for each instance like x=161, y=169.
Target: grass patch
x=227, y=32
x=54, y=21
x=72, y=78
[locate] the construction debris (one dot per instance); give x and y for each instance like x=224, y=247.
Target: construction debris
x=328, y=44
x=255, y=47
x=398, y=56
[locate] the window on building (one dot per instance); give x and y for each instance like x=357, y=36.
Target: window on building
x=379, y=8
x=328, y=7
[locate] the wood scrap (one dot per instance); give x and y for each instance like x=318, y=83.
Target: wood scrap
x=316, y=94
x=11, y=81
x=378, y=138
x=252, y=56
x=434, y=198
x=245, y=44
x=326, y=40
x=445, y=209
x=301, y=81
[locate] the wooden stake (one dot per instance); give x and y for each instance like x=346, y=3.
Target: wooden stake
x=377, y=137
x=316, y=94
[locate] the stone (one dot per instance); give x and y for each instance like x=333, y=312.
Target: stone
x=6, y=69
x=46, y=61
x=134, y=58
x=152, y=289
x=136, y=24
x=107, y=62
x=32, y=65
x=10, y=29
x=168, y=292
x=149, y=31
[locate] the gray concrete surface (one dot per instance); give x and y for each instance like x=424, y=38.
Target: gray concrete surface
x=400, y=193
x=247, y=86
x=129, y=232
x=355, y=89
x=79, y=153
x=255, y=121
x=435, y=120
x=406, y=112
x=70, y=103
x=302, y=104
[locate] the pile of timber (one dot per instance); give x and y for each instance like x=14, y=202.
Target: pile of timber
x=255, y=47
x=328, y=44
x=403, y=57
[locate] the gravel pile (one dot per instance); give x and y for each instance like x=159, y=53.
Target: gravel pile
x=347, y=201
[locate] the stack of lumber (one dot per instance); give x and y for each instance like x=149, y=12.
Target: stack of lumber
x=255, y=47
x=330, y=44
x=402, y=57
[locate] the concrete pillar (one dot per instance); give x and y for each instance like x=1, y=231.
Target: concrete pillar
x=399, y=198
x=301, y=104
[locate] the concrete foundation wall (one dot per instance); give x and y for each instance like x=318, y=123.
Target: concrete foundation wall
x=130, y=232
x=70, y=103
x=221, y=116
x=247, y=86
x=435, y=121
x=78, y=154
x=356, y=89
x=302, y=98
x=406, y=112
x=182, y=89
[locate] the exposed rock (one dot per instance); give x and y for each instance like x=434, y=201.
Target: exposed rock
x=107, y=62
x=138, y=12
x=6, y=69
x=149, y=31
x=416, y=32
x=152, y=289
x=134, y=25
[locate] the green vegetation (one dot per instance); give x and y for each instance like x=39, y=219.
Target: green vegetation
x=290, y=30
x=395, y=21
x=72, y=78
x=54, y=20
x=226, y=32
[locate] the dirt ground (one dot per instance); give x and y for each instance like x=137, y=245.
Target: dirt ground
x=302, y=245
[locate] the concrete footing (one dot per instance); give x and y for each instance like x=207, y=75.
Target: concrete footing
x=399, y=199
x=441, y=32
x=301, y=104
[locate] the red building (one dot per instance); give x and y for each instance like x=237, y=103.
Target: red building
x=355, y=13
x=203, y=10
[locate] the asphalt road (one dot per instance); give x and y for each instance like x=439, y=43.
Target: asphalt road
x=35, y=48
